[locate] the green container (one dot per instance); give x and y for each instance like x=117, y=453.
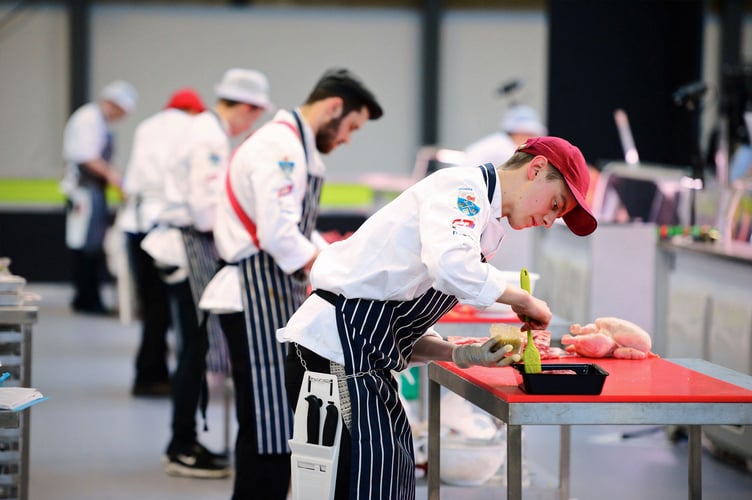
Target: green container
x=410, y=383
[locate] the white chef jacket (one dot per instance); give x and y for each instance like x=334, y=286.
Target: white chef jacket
x=421, y=240
x=154, y=144
x=269, y=175
x=84, y=139
x=495, y=149
x=269, y=178
x=195, y=177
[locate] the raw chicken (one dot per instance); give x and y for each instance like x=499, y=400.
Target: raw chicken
x=609, y=337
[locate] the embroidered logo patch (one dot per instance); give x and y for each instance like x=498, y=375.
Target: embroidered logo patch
x=284, y=190
x=456, y=223
x=286, y=166
x=466, y=202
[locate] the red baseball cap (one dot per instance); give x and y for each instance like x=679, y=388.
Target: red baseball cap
x=569, y=161
x=186, y=99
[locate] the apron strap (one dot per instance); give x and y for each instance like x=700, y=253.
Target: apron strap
x=245, y=219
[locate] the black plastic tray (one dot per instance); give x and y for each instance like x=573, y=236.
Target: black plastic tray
x=589, y=379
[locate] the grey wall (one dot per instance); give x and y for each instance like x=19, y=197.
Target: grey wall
x=160, y=48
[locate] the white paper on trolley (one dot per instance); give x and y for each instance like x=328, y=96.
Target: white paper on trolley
x=18, y=398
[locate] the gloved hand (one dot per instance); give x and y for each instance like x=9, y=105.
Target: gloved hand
x=487, y=354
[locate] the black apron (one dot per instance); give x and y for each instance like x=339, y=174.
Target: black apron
x=270, y=297
x=378, y=337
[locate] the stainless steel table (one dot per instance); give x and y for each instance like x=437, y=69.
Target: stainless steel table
x=689, y=392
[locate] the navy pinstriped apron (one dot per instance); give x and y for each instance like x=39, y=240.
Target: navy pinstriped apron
x=203, y=262
x=378, y=337
x=270, y=298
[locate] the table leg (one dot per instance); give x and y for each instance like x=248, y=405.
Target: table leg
x=514, y=462
x=695, y=462
x=434, y=455
x=26, y=414
x=565, y=444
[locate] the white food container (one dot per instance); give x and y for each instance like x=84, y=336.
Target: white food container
x=470, y=462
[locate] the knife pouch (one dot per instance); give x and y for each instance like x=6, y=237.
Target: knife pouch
x=314, y=466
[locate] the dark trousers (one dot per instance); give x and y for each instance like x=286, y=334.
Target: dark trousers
x=256, y=476
x=88, y=261
x=189, y=380
x=154, y=308
x=87, y=268
x=294, y=372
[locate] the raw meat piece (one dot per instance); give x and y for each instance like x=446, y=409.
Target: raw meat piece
x=609, y=337
x=590, y=345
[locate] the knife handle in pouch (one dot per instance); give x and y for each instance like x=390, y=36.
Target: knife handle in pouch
x=314, y=405
x=330, y=425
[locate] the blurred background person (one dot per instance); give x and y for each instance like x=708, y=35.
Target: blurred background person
x=519, y=123
x=192, y=186
x=154, y=141
x=87, y=150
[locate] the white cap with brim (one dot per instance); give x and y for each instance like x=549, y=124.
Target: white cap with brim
x=121, y=93
x=523, y=120
x=246, y=86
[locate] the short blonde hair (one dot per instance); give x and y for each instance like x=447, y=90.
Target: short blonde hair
x=520, y=159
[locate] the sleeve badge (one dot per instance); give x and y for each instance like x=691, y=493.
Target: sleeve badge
x=466, y=202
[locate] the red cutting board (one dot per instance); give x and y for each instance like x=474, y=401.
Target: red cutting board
x=468, y=314
x=652, y=380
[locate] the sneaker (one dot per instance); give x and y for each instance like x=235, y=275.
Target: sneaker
x=219, y=458
x=195, y=461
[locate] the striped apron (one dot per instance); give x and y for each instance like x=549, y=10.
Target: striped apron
x=203, y=262
x=270, y=297
x=378, y=337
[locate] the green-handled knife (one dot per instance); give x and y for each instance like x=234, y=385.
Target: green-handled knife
x=530, y=356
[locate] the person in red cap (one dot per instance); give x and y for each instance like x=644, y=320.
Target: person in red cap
x=153, y=141
x=194, y=184
x=377, y=294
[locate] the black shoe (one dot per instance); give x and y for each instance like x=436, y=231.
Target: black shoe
x=153, y=389
x=95, y=310
x=219, y=458
x=195, y=461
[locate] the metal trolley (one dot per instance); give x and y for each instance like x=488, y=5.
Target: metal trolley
x=15, y=355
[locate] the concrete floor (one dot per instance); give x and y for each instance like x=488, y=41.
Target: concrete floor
x=92, y=441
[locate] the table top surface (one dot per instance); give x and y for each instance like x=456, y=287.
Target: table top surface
x=469, y=314
x=654, y=380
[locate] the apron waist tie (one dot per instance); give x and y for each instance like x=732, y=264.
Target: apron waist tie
x=327, y=296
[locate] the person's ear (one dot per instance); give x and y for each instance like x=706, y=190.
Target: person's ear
x=536, y=166
x=336, y=105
